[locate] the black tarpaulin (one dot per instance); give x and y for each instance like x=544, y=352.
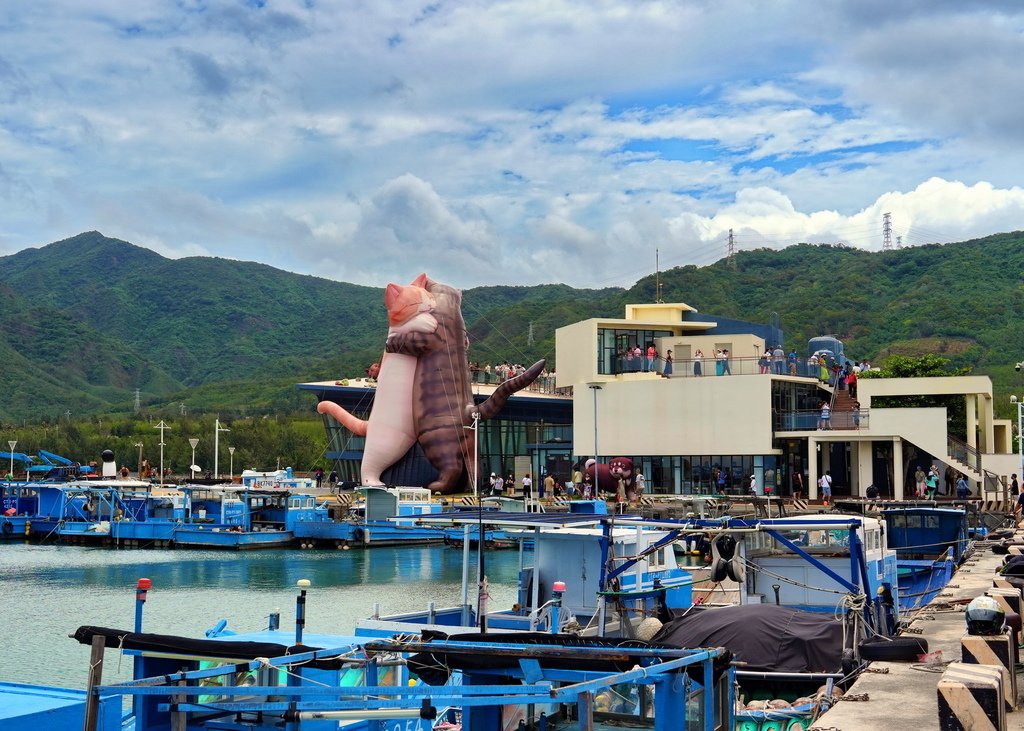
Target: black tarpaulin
x=764, y=637
x=148, y=642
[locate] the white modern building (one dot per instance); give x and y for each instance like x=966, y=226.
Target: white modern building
x=715, y=422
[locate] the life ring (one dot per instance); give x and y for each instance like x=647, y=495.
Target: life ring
x=7, y=527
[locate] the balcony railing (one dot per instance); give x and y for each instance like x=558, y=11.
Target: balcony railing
x=543, y=384
x=810, y=420
x=711, y=366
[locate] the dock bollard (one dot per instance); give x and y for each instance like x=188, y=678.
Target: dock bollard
x=142, y=587
x=300, y=609
x=971, y=696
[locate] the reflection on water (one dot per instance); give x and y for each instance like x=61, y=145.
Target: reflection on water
x=46, y=592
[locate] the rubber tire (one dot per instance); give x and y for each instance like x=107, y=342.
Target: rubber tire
x=894, y=649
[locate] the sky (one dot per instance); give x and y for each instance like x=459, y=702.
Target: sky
x=510, y=142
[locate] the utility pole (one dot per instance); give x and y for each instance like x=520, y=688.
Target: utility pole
x=529, y=335
x=138, y=402
x=162, y=427
x=657, y=277
x=886, y=232
x=217, y=429
x=730, y=251
x=899, y=242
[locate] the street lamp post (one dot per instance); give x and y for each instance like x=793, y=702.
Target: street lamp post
x=1020, y=434
x=231, y=451
x=217, y=429
x=192, y=466
x=12, y=444
x=595, y=387
x=138, y=445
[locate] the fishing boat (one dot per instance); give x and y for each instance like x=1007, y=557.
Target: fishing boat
x=239, y=517
x=930, y=542
x=272, y=679
x=384, y=516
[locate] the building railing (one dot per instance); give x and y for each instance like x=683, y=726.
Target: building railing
x=964, y=452
x=810, y=420
x=711, y=366
x=542, y=384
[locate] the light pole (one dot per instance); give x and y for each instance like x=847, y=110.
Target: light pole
x=138, y=445
x=1020, y=434
x=192, y=466
x=162, y=427
x=231, y=451
x=476, y=451
x=217, y=429
x=12, y=444
x=595, y=387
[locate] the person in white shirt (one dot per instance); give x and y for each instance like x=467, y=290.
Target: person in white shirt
x=527, y=486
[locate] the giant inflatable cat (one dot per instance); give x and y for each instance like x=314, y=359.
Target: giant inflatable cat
x=390, y=429
x=442, y=404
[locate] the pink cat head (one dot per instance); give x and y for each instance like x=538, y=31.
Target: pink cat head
x=409, y=307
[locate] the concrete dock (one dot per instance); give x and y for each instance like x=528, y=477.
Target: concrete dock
x=903, y=695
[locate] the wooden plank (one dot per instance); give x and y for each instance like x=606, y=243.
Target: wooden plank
x=92, y=701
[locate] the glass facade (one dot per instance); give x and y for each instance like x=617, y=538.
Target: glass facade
x=613, y=344
x=710, y=474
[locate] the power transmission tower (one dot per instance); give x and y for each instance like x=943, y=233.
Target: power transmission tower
x=730, y=251
x=138, y=402
x=529, y=335
x=886, y=232
x=899, y=242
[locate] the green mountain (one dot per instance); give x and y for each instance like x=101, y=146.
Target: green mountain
x=86, y=321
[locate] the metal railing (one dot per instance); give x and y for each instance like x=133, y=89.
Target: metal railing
x=964, y=453
x=711, y=366
x=810, y=420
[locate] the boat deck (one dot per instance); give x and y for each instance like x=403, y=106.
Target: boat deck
x=907, y=692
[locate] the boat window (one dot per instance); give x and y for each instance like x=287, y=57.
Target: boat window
x=931, y=521
x=913, y=521
x=899, y=521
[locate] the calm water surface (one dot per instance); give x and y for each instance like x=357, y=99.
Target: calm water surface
x=46, y=592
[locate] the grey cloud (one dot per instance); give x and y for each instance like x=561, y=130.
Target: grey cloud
x=209, y=77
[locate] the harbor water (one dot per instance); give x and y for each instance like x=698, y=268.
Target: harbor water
x=46, y=592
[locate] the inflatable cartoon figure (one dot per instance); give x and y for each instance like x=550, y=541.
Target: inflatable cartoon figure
x=608, y=476
x=443, y=403
x=424, y=391
x=390, y=430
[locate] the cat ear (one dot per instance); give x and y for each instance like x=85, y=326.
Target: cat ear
x=392, y=293
x=420, y=281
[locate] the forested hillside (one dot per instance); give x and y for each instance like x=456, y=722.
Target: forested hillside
x=86, y=321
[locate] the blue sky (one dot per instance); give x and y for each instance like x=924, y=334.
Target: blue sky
x=514, y=142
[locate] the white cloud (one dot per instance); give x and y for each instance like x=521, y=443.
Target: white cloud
x=505, y=141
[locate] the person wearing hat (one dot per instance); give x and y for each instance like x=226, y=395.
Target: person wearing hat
x=492, y=483
x=753, y=484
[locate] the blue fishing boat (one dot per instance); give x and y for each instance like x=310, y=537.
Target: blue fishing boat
x=238, y=517
x=19, y=501
x=271, y=679
x=930, y=542
x=385, y=516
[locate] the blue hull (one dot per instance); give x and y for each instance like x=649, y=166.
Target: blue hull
x=235, y=540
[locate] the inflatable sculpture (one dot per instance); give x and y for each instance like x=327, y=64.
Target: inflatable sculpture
x=424, y=391
x=607, y=476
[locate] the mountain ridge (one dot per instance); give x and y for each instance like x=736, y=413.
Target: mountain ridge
x=86, y=320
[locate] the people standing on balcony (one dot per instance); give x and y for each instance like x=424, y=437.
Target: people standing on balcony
x=722, y=362
x=855, y=413
x=667, y=370
x=825, y=417
x=779, y=358
x=697, y=358
x=794, y=359
x=920, y=482
x=762, y=363
x=497, y=485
